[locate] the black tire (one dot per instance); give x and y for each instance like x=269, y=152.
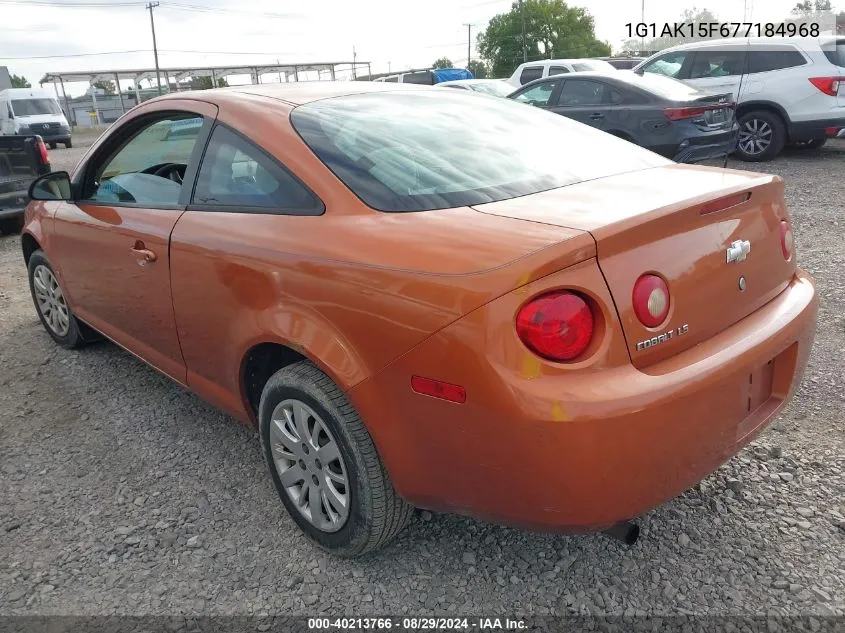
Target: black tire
x=52, y=144
x=11, y=225
x=68, y=144
x=376, y=513
x=777, y=138
x=73, y=338
x=812, y=144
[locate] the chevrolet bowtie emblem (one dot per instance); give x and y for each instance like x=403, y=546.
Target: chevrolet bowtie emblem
x=738, y=251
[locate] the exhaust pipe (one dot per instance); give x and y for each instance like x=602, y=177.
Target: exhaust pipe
x=626, y=531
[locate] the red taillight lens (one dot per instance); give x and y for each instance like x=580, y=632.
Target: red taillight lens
x=828, y=85
x=786, y=239
x=651, y=300
x=557, y=326
x=676, y=114
x=45, y=157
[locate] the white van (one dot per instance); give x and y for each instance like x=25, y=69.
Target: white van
x=529, y=71
x=33, y=111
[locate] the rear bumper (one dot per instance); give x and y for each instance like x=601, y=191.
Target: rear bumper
x=816, y=129
x=603, y=446
x=706, y=147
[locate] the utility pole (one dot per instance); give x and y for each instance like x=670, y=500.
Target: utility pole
x=354, y=57
x=524, y=47
x=642, y=21
x=151, y=6
x=469, y=43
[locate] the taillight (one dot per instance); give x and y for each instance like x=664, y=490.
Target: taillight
x=557, y=326
x=651, y=300
x=828, y=85
x=676, y=114
x=45, y=157
x=786, y=239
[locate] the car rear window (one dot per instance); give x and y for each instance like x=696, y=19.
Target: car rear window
x=422, y=150
x=835, y=52
x=592, y=64
x=774, y=58
x=660, y=85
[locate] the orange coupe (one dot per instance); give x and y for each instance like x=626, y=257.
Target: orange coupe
x=426, y=298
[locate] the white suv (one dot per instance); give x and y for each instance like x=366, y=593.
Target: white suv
x=788, y=90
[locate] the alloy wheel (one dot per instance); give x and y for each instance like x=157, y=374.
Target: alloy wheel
x=755, y=136
x=309, y=464
x=51, y=301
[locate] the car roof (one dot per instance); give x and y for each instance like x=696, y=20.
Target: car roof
x=469, y=81
x=297, y=92
x=742, y=42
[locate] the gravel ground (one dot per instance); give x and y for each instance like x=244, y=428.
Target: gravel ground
x=123, y=494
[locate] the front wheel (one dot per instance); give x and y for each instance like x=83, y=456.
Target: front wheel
x=324, y=464
x=52, y=144
x=762, y=136
x=11, y=225
x=68, y=144
x=50, y=304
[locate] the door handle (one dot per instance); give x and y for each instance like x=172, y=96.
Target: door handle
x=595, y=116
x=140, y=250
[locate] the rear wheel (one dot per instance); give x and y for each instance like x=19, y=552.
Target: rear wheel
x=762, y=136
x=50, y=304
x=324, y=464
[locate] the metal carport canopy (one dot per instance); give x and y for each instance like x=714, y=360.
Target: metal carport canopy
x=195, y=71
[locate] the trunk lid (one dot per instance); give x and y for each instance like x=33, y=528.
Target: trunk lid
x=670, y=221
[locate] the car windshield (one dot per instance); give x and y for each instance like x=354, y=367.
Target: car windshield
x=423, y=150
x=592, y=64
x=495, y=88
x=661, y=86
x=34, y=107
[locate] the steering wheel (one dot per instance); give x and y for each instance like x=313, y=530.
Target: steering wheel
x=169, y=171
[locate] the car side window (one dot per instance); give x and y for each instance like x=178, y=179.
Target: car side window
x=149, y=168
x=716, y=63
x=538, y=95
x=530, y=74
x=558, y=70
x=614, y=96
x=669, y=65
x=581, y=92
x=774, y=58
x=239, y=175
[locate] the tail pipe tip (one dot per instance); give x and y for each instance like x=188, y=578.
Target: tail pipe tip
x=626, y=531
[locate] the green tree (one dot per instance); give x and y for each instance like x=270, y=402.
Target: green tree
x=443, y=62
x=19, y=81
x=552, y=30
x=204, y=83
x=808, y=7
x=106, y=85
x=478, y=69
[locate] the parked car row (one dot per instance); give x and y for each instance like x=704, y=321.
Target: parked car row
x=784, y=91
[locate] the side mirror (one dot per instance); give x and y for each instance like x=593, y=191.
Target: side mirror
x=52, y=186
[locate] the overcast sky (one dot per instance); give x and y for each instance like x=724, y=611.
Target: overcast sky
x=403, y=33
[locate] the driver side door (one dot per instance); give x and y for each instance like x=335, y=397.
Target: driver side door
x=111, y=243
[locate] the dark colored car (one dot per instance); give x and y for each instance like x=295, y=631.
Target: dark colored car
x=623, y=63
x=661, y=114
x=22, y=160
